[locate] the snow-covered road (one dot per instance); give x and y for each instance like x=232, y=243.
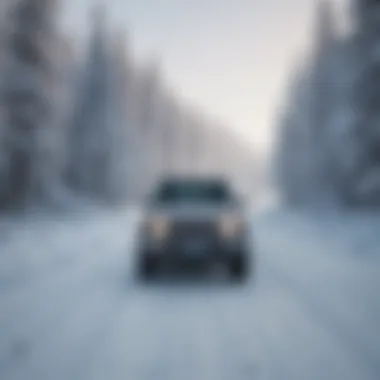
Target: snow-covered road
x=70, y=308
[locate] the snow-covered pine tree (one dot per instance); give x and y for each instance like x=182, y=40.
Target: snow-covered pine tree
x=363, y=182
x=66, y=61
x=4, y=11
x=121, y=163
x=148, y=93
x=168, y=125
x=88, y=139
x=27, y=93
x=4, y=26
x=342, y=143
x=303, y=167
x=294, y=160
x=322, y=102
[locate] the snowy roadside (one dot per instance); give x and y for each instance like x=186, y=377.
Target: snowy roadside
x=42, y=245
x=331, y=263
x=47, y=265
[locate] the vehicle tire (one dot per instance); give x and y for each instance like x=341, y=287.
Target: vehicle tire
x=148, y=268
x=239, y=270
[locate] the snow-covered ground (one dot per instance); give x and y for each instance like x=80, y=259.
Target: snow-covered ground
x=70, y=307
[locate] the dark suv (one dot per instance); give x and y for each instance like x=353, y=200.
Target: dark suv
x=193, y=223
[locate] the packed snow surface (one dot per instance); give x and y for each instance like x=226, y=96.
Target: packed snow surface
x=72, y=309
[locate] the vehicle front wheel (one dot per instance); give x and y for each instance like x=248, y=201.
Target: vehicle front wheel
x=239, y=270
x=148, y=268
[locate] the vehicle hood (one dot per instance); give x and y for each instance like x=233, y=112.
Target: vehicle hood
x=194, y=212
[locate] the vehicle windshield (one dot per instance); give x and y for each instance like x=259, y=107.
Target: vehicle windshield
x=193, y=191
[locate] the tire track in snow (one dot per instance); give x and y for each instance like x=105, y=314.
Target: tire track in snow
x=317, y=312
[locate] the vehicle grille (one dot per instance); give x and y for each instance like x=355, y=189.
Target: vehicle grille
x=187, y=230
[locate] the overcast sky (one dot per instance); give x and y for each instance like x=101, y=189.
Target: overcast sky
x=229, y=57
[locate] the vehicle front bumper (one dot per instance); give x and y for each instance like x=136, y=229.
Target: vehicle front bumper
x=179, y=255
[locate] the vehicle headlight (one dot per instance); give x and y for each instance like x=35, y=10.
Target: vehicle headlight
x=231, y=226
x=157, y=228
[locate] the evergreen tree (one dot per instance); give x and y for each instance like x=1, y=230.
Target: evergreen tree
x=3, y=148
x=88, y=140
x=147, y=95
x=103, y=137
x=295, y=158
x=304, y=169
x=169, y=125
x=322, y=100
x=121, y=163
x=27, y=97
x=363, y=181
